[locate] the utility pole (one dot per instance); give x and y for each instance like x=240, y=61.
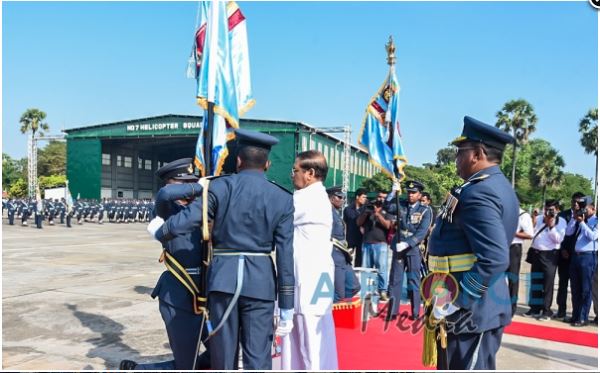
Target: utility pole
x=32, y=160
x=346, y=155
x=31, y=166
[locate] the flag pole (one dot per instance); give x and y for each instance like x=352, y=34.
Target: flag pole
x=208, y=136
x=391, y=60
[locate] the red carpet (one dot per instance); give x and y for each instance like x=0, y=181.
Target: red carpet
x=553, y=334
x=400, y=346
x=375, y=349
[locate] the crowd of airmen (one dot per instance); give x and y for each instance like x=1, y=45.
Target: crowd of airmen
x=83, y=210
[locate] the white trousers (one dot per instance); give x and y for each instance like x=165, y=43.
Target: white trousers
x=311, y=345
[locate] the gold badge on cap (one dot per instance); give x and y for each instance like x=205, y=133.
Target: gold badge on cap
x=190, y=169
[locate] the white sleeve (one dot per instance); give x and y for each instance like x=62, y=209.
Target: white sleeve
x=527, y=224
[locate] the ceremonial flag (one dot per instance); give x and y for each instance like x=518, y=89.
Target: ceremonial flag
x=68, y=197
x=380, y=134
x=223, y=76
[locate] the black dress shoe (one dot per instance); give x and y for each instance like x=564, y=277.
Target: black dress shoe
x=579, y=324
x=127, y=365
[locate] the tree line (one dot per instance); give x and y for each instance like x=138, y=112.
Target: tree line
x=51, y=163
x=534, y=167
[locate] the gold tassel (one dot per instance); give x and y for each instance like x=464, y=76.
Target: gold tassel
x=429, y=355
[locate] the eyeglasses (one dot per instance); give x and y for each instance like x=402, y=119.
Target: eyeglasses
x=458, y=149
x=296, y=170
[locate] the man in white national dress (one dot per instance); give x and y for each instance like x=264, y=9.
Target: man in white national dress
x=311, y=343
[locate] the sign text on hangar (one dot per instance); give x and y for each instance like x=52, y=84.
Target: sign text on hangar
x=167, y=126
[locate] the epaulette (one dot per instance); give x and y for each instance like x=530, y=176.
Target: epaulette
x=280, y=186
x=476, y=179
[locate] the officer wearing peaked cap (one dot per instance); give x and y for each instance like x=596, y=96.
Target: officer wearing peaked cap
x=172, y=289
x=345, y=283
x=470, y=245
x=251, y=217
x=413, y=225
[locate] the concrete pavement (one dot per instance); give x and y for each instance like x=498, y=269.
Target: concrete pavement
x=78, y=298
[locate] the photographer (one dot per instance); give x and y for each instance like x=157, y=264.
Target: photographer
x=567, y=247
x=543, y=257
x=376, y=223
x=584, y=226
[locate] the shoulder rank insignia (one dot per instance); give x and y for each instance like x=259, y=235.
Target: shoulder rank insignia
x=451, y=200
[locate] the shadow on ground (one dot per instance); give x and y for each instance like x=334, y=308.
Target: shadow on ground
x=558, y=356
x=109, y=345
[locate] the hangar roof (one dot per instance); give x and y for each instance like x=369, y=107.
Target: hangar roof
x=183, y=125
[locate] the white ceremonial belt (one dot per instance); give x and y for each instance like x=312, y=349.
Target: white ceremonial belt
x=238, y=252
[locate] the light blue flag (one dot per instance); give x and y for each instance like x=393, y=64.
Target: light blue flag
x=223, y=75
x=69, y=199
x=222, y=133
x=380, y=134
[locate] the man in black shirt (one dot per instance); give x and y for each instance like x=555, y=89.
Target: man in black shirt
x=376, y=223
x=354, y=234
x=567, y=248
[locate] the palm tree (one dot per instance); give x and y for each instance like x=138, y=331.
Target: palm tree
x=518, y=118
x=588, y=127
x=546, y=170
x=32, y=120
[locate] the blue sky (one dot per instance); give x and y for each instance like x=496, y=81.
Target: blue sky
x=87, y=63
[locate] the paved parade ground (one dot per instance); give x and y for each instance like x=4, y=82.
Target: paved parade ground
x=78, y=298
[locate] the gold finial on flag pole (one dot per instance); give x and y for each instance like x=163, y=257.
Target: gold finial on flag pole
x=390, y=47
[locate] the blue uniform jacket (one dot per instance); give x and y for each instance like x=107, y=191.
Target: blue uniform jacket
x=413, y=225
x=484, y=223
x=338, y=229
x=249, y=214
x=186, y=249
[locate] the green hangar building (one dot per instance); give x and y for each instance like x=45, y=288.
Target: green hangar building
x=118, y=160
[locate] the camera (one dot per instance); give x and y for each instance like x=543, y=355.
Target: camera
x=581, y=205
x=370, y=206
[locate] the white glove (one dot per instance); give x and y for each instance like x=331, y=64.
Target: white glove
x=396, y=186
x=284, y=327
x=401, y=246
x=441, y=312
x=285, y=323
x=154, y=226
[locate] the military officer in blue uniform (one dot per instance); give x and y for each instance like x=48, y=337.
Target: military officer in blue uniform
x=11, y=208
x=345, y=283
x=175, y=300
x=251, y=217
x=414, y=222
x=26, y=208
x=470, y=244
x=62, y=210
